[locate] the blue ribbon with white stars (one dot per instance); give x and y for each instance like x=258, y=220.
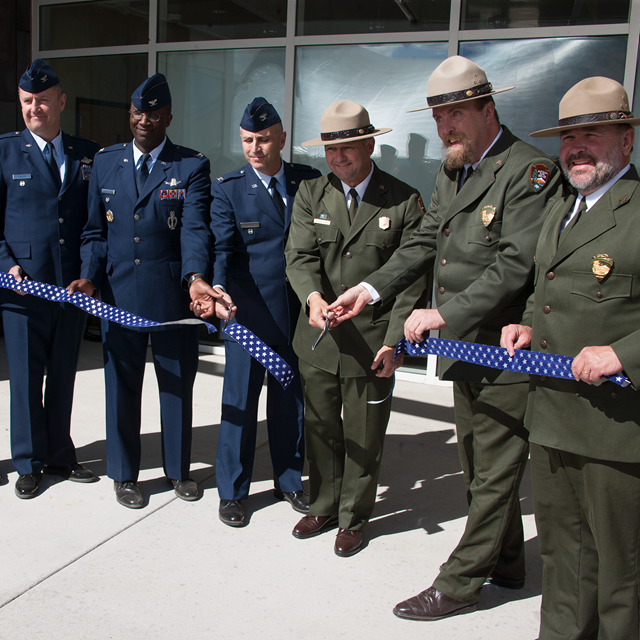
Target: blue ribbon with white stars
x=272, y=362
x=532, y=362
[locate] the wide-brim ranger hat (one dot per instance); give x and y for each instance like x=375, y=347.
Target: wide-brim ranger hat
x=592, y=102
x=455, y=80
x=344, y=121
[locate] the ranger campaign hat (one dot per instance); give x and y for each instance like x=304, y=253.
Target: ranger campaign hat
x=259, y=115
x=38, y=77
x=455, y=80
x=593, y=101
x=344, y=121
x=152, y=94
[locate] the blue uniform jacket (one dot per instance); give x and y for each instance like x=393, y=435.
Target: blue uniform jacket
x=249, y=239
x=40, y=223
x=138, y=249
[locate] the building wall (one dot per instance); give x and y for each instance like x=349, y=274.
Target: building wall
x=15, y=54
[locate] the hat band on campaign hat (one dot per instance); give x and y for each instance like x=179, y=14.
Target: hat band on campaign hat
x=594, y=118
x=347, y=133
x=457, y=96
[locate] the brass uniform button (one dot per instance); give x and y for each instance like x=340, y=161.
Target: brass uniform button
x=348, y=255
x=136, y=217
x=441, y=290
x=443, y=261
x=599, y=294
x=543, y=344
x=551, y=275
x=137, y=262
x=136, y=240
x=447, y=232
x=546, y=308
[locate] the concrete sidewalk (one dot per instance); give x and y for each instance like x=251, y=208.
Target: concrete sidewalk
x=75, y=564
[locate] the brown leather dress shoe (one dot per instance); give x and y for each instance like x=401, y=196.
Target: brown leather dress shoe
x=432, y=604
x=311, y=526
x=348, y=543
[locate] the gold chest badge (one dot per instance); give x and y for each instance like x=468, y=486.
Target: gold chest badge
x=110, y=216
x=488, y=213
x=601, y=266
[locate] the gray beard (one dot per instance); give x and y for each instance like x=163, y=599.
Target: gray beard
x=457, y=158
x=605, y=169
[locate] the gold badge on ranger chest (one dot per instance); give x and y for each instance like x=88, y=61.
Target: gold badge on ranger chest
x=601, y=265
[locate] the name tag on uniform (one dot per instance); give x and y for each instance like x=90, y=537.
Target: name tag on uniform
x=249, y=225
x=109, y=192
x=21, y=176
x=320, y=221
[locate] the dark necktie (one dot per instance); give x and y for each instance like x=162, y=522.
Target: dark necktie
x=51, y=161
x=582, y=207
x=353, y=207
x=142, y=173
x=277, y=199
x=466, y=175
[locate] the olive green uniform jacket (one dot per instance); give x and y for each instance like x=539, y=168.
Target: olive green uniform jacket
x=485, y=236
x=328, y=254
x=571, y=310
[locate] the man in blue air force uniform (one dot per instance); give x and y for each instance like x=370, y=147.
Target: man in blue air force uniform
x=44, y=177
x=250, y=216
x=146, y=236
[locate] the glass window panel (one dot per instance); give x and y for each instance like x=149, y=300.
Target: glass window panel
x=98, y=92
x=388, y=80
x=500, y=14
x=186, y=20
x=543, y=70
x=105, y=23
x=210, y=91
x=372, y=16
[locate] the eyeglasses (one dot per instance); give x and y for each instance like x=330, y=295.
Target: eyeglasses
x=151, y=117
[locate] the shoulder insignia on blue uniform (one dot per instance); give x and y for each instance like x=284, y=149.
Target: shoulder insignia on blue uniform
x=220, y=179
x=13, y=134
x=113, y=147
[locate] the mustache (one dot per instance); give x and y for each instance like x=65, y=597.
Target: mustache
x=582, y=157
x=454, y=137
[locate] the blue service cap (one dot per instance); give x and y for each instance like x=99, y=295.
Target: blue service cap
x=152, y=94
x=259, y=115
x=38, y=77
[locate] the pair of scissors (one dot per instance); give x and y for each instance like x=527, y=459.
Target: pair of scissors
x=226, y=322
x=324, y=331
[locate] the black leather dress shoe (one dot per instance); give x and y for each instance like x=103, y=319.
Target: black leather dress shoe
x=128, y=494
x=432, y=604
x=231, y=513
x=27, y=485
x=185, y=489
x=76, y=473
x=298, y=500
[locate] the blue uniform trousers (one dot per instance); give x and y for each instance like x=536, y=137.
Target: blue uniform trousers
x=175, y=357
x=42, y=337
x=243, y=380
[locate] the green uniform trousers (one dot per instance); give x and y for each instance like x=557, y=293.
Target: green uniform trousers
x=344, y=438
x=493, y=446
x=588, y=519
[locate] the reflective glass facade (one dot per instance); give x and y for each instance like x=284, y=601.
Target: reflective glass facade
x=302, y=55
